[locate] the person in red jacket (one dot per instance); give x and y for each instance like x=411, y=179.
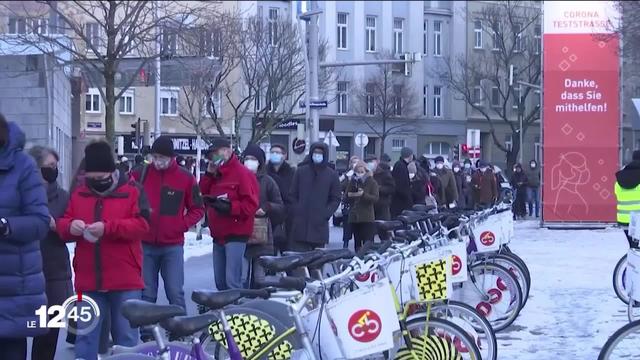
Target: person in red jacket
x=176, y=206
x=231, y=193
x=106, y=218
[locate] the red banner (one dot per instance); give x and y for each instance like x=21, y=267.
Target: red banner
x=581, y=113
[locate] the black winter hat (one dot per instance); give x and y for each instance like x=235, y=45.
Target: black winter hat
x=99, y=157
x=438, y=159
x=163, y=146
x=219, y=143
x=385, y=158
x=255, y=151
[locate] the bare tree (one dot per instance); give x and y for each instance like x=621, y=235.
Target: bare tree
x=215, y=40
x=387, y=100
x=482, y=78
x=99, y=35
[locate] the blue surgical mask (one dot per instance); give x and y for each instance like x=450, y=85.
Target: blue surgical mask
x=317, y=158
x=276, y=158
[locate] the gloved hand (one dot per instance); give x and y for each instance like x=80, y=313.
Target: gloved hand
x=4, y=228
x=222, y=206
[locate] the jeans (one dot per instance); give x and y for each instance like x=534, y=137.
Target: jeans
x=13, y=349
x=122, y=332
x=227, y=265
x=169, y=262
x=533, y=198
x=362, y=233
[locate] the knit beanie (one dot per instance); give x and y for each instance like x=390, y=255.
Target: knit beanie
x=406, y=152
x=255, y=151
x=99, y=157
x=163, y=146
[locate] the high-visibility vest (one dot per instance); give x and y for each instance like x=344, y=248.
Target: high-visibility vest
x=628, y=201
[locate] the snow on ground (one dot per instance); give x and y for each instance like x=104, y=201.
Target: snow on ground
x=572, y=308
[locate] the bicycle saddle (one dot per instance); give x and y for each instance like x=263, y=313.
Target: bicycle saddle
x=183, y=326
x=385, y=225
x=281, y=263
x=215, y=300
x=411, y=218
x=410, y=235
x=143, y=313
x=423, y=208
x=331, y=256
x=284, y=282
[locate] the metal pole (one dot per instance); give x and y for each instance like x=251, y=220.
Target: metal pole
x=307, y=86
x=157, y=127
x=520, y=116
x=313, y=72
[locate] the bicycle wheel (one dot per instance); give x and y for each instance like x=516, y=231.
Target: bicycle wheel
x=619, y=277
x=252, y=330
x=442, y=340
x=515, y=267
x=522, y=263
x=129, y=357
x=177, y=350
x=623, y=344
x=494, y=292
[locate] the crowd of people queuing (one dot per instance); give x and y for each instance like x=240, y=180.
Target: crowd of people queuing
x=128, y=223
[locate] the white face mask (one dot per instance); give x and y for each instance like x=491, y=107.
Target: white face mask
x=371, y=166
x=483, y=169
x=412, y=175
x=252, y=165
x=456, y=169
x=467, y=166
x=439, y=166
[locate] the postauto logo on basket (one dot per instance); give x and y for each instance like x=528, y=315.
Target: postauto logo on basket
x=364, y=325
x=487, y=238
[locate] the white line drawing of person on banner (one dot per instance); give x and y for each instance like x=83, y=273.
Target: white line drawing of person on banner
x=570, y=173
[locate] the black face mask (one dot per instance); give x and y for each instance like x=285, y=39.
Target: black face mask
x=50, y=175
x=99, y=185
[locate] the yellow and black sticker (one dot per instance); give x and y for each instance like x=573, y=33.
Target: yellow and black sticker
x=432, y=280
x=429, y=347
x=251, y=333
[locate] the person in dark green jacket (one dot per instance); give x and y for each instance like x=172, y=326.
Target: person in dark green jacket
x=362, y=194
x=533, y=188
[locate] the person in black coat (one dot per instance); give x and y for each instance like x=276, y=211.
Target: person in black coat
x=315, y=196
x=280, y=171
x=386, y=187
x=55, y=256
x=402, y=199
x=418, y=184
x=519, y=182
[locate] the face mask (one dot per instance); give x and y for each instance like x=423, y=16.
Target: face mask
x=456, y=169
x=317, y=158
x=161, y=163
x=439, y=166
x=276, y=158
x=483, y=169
x=182, y=163
x=533, y=166
x=371, y=166
x=360, y=176
x=467, y=166
x=49, y=175
x=252, y=165
x=100, y=185
x=217, y=159
x=412, y=175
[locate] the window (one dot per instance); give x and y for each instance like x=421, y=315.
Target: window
x=342, y=97
x=437, y=38
x=425, y=36
x=397, y=144
x=17, y=25
x=210, y=43
x=497, y=37
x=477, y=30
x=92, y=32
x=370, y=99
x=342, y=31
x=508, y=141
x=495, y=96
x=92, y=101
x=273, y=26
x=398, y=41
x=214, y=103
x=517, y=38
x=438, y=149
x=370, y=34
x=40, y=26
x=397, y=101
x=126, y=102
x=169, y=102
x=424, y=100
x=271, y=101
x=517, y=96
x=537, y=149
x=537, y=36
x=437, y=101
x=168, y=41
x=477, y=94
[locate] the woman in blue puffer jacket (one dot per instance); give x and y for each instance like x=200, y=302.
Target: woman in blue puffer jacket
x=24, y=222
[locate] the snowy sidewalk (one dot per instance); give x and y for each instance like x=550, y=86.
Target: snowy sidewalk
x=572, y=308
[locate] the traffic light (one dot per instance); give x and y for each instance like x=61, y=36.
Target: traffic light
x=135, y=134
x=464, y=149
x=456, y=152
